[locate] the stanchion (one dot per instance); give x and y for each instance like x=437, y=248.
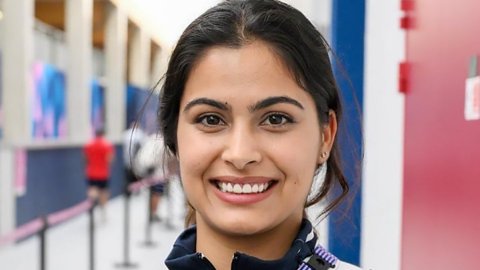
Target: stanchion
x=43, y=246
x=91, y=233
x=148, y=230
x=41, y=225
x=168, y=198
x=126, y=234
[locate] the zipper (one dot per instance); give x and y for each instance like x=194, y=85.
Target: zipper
x=234, y=260
x=205, y=260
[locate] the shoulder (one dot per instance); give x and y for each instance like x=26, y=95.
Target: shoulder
x=88, y=146
x=346, y=266
x=105, y=143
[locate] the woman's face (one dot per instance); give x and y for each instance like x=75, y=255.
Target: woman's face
x=249, y=141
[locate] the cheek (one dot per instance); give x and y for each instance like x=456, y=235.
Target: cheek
x=195, y=152
x=296, y=156
x=297, y=159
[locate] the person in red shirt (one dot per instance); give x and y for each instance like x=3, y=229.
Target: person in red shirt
x=99, y=154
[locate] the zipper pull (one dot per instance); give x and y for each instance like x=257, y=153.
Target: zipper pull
x=205, y=260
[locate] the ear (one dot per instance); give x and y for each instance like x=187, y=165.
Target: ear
x=328, y=133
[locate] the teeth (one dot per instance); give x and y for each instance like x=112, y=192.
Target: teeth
x=242, y=189
x=237, y=189
x=223, y=187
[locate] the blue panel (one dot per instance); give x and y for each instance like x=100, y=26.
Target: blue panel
x=142, y=105
x=98, y=105
x=131, y=104
x=55, y=181
x=348, y=22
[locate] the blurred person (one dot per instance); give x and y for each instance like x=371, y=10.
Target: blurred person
x=153, y=163
x=99, y=153
x=250, y=108
x=133, y=139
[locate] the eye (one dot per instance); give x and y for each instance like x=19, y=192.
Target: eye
x=210, y=120
x=277, y=119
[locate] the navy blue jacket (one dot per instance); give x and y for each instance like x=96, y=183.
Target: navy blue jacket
x=304, y=254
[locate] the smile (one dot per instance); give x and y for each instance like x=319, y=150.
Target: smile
x=238, y=188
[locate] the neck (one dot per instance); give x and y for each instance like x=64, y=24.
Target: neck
x=219, y=246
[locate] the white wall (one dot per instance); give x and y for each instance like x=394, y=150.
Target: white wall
x=383, y=131
x=7, y=194
x=50, y=48
x=49, y=45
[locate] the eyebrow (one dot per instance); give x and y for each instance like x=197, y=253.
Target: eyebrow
x=206, y=101
x=262, y=104
x=274, y=100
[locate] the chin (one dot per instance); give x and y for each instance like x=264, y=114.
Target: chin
x=242, y=227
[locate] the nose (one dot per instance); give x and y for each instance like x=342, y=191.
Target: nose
x=241, y=149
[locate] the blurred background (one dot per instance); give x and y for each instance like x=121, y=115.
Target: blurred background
x=408, y=70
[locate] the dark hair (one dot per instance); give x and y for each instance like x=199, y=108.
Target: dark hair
x=234, y=23
x=100, y=132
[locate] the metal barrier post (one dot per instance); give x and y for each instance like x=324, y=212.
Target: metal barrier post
x=169, y=199
x=148, y=230
x=43, y=246
x=126, y=234
x=91, y=231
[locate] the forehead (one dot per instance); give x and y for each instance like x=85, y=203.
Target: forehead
x=251, y=70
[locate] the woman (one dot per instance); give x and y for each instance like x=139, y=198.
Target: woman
x=250, y=108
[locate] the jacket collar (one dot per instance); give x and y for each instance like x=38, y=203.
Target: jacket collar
x=184, y=256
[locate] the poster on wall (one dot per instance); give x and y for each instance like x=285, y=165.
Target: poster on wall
x=49, y=103
x=472, y=98
x=48, y=99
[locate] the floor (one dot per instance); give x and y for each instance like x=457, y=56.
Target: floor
x=67, y=243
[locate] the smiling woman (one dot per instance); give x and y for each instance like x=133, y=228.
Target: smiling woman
x=250, y=108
